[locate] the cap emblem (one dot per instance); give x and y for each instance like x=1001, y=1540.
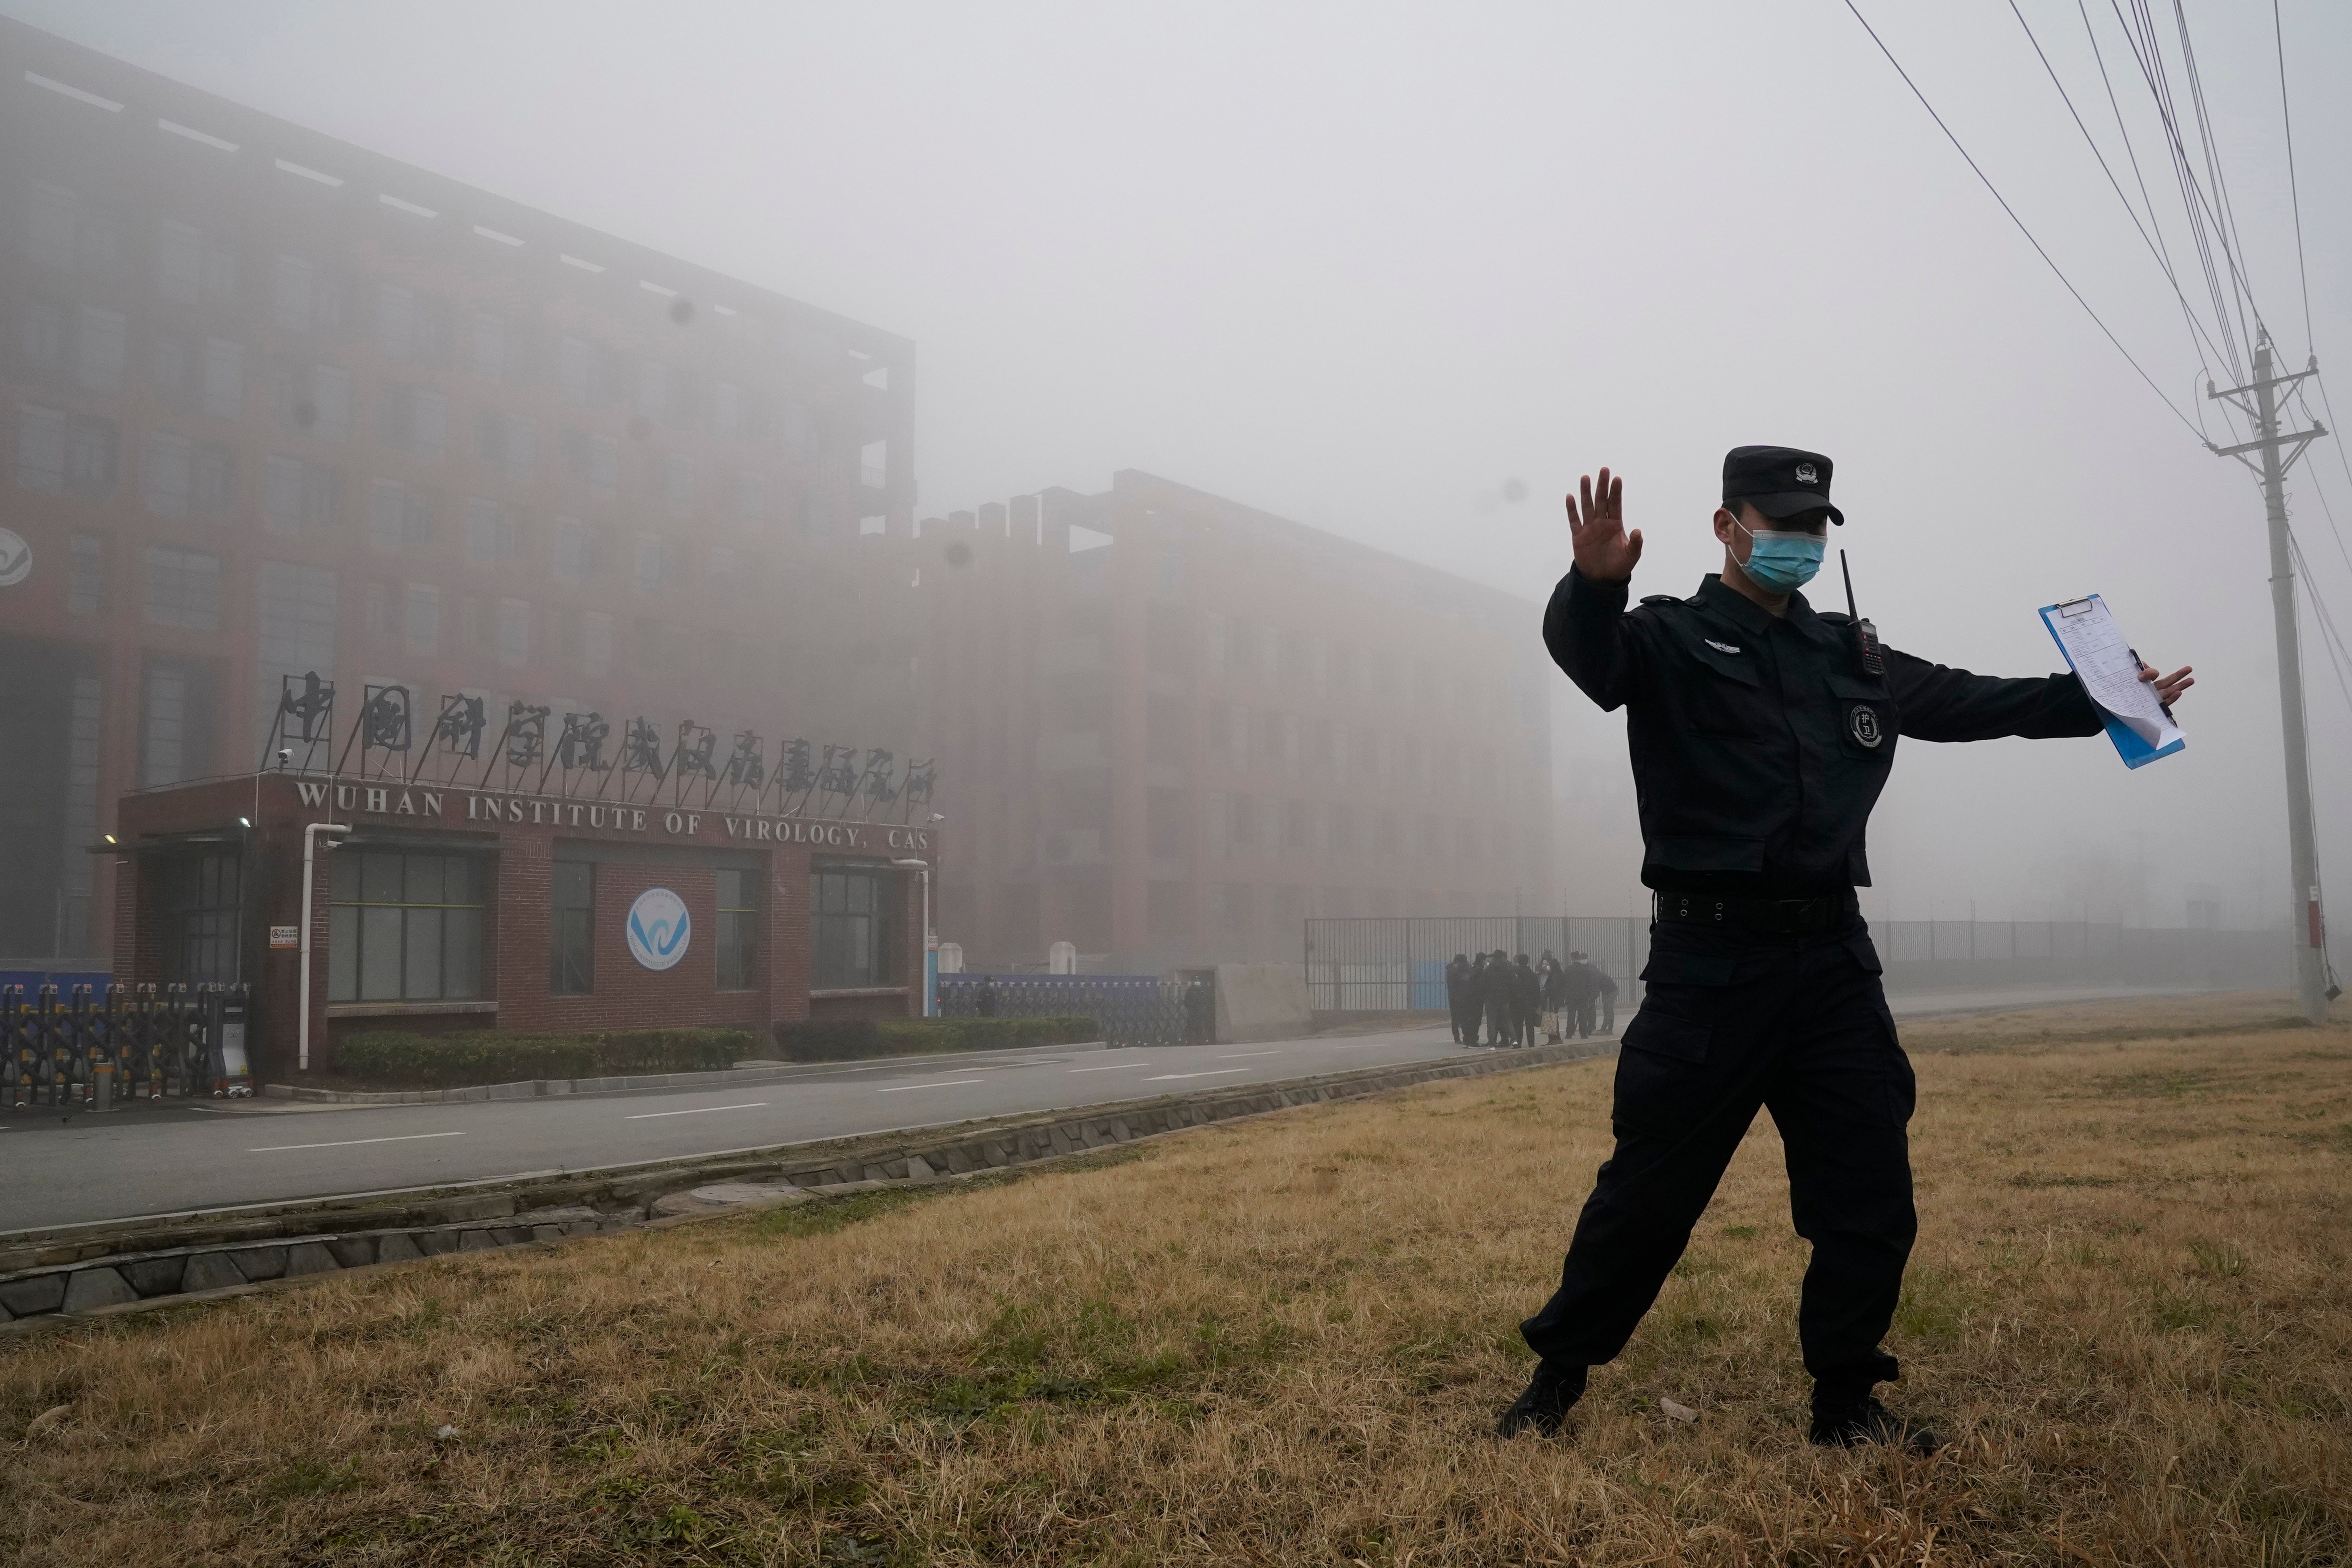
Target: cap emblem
x=1807, y=474
x=1863, y=722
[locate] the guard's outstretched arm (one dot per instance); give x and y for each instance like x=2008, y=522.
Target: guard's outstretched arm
x=1939, y=703
x=1587, y=633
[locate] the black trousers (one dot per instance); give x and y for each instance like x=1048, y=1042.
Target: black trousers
x=1735, y=1021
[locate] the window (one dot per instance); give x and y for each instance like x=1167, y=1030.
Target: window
x=89, y=455
x=86, y=578
x=411, y=419
x=41, y=334
x=577, y=374
x=221, y=385
x=199, y=899
x=331, y=402
x=215, y=479
x=405, y=927
x=571, y=948
x=299, y=497
x=506, y=443
x=575, y=549
x=183, y=589
x=49, y=217
x=849, y=927
x=678, y=481
x=165, y=741
x=653, y=389
x=298, y=621
x=493, y=532
x=592, y=459
x=395, y=322
x=595, y=642
x=513, y=633
x=750, y=498
x=41, y=449
x=488, y=341
x=650, y=561
x=726, y=407
x=179, y=261
x=101, y=339
x=874, y=465
x=400, y=517
x=738, y=924
x=420, y=620
x=170, y=473
x=289, y=294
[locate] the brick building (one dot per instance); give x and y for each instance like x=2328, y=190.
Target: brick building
x=1171, y=727
x=272, y=403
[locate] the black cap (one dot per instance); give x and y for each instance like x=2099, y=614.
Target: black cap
x=1778, y=482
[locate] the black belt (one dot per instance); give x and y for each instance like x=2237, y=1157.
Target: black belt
x=1774, y=917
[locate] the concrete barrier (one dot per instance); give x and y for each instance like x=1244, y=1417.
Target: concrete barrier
x=1262, y=1002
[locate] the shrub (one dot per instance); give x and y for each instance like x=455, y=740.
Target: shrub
x=849, y=1039
x=494, y=1055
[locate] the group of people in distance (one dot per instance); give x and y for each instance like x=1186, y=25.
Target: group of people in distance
x=1512, y=999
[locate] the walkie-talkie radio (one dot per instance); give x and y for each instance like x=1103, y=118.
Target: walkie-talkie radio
x=1865, y=636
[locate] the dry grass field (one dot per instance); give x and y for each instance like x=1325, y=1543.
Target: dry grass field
x=1284, y=1341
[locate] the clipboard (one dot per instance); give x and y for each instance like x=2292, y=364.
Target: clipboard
x=2097, y=652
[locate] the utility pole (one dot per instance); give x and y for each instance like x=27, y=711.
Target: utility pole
x=2278, y=452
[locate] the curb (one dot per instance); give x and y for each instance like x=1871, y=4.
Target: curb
x=91, y=1280
x=540, y=1088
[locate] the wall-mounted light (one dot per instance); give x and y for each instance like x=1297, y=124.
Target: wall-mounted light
x=111, y=839
x=244, y=822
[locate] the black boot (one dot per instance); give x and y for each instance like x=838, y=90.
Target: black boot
x=1544, y=1407
x=1849, y=1423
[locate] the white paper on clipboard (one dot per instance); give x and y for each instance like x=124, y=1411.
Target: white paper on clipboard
x=2109, y=669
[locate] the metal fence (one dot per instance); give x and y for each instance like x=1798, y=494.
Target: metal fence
x=1397, y=964
x=1133, y=1009
x=138, y=1043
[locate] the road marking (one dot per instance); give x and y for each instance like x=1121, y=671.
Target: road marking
x=351, y=1142
x=1236, y=1056
x=1119, y=1067
x=698, y=1110
x=1213, y=1072
x=943, y=1083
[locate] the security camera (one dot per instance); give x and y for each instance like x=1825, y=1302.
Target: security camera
x=938, y=816
x=285, y=755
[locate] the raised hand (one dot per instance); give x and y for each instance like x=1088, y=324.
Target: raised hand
x=1605, y=552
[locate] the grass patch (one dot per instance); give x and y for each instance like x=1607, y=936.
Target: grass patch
x=1284, y=1342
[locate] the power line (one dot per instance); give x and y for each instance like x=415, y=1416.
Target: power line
x=2163, y=261
x=2019, y=222
x=2286, y=119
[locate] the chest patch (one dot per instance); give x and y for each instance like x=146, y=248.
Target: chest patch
x=1721, y=646
x=1862, y=724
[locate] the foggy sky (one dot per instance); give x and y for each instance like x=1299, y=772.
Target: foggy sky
x=1361, y=265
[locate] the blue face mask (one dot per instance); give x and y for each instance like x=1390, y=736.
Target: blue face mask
x=1782, y=562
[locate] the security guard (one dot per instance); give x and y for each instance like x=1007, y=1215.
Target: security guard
x=1762, y=733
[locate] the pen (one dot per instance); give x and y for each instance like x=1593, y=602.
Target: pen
x=2160, y=702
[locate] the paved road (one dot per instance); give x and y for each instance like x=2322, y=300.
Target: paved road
x=59, y=1170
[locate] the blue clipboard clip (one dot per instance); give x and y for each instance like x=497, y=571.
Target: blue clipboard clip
x=2133, y=748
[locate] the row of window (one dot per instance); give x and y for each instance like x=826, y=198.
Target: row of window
x=199, y=266
x=1286, y=743
x=408, y=927
x=1236, y=648
x=57, y=452
x=1239, y=826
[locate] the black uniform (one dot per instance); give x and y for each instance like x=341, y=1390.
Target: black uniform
x=1759, y=744
x=1580, y=983
x=1460, y=982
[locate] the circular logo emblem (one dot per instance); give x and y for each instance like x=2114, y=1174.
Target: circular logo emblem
x=1807, y=473
x=1863, y=722
x=658, y=929
x=15, y=558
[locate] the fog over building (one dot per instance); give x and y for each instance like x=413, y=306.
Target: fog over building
x=1172, y=727
x=276, y=404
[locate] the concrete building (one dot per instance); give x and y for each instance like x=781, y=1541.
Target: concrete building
x=273, y=403
x=1171, y=727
